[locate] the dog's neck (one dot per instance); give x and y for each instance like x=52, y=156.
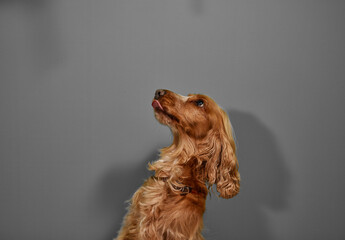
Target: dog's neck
x=183, y=148
x=181, y=151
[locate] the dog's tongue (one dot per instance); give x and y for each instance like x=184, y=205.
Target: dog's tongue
x=157, y=105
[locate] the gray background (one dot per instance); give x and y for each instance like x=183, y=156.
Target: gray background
x=77, y=128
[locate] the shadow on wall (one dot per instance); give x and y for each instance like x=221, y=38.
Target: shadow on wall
x=197, y=6
x=117, y=186
x=264, y=185
x=28, y=36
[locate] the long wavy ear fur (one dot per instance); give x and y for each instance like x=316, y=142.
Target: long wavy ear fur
x=222, y=167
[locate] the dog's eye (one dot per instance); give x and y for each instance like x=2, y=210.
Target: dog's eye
x=199, y=103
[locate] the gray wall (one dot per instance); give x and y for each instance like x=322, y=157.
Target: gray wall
x=77, y=128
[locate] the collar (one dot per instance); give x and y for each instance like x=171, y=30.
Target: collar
x=184, y=190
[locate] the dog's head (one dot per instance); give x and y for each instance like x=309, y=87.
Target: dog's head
x=198, y=118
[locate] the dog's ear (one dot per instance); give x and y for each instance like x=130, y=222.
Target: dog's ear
x=222, y=166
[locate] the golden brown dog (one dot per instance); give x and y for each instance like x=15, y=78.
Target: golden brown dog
x=170, y=204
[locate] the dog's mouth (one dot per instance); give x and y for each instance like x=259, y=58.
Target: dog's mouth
x=157, y=105
x=159, y=109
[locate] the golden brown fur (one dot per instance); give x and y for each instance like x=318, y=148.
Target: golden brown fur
x=170, y=204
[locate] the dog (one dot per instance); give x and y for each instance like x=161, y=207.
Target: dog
x=171, y=203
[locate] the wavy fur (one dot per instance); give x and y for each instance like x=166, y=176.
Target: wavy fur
x=170, y=204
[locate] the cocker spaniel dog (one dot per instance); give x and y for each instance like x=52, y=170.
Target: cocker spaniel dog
x=171, y=203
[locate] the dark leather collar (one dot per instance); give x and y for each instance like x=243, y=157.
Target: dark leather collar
x=184, y=190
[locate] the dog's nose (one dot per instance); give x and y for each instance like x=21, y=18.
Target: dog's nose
x=159, y=93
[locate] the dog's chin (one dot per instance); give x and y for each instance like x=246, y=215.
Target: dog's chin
x=161, y=118
x=165, y=118
x=163, y=115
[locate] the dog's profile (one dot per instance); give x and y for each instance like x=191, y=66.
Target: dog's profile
x=171, y=203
